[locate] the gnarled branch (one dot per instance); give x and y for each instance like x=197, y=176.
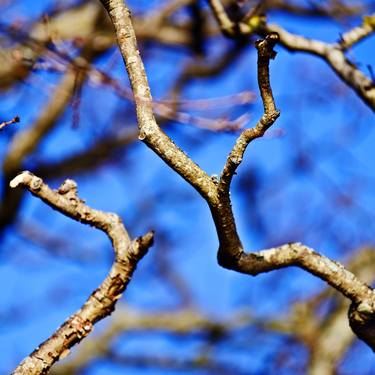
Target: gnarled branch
x=102, y=301
x=231, y=254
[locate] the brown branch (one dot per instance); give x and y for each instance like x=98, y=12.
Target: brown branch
x=149, y=131
x=230, y=243
x=325, y=356
x=320, y=333
x=231, y=254
x=102, y=301
x=332, y=54
x=265, y=53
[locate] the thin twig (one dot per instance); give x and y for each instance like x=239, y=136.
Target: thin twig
x=265, y=53
x=333, y=54
x=12, y=121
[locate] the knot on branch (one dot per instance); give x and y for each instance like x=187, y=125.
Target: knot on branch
x=362, y=322
x=28, y=179
x=267, y=120
x=68, y=186
x=142, y=244
x=69, y=190
x=265, y=46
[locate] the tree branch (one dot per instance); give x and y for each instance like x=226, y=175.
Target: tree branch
x=102, y=301
x=333, y=54
x=355, y=35
x=9, y=122
x=265, y=53
x=149, y=131
x=231, y=254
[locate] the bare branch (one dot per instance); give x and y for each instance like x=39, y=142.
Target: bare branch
x=355, y=35
x=225, y=23
x=9, y=122
x=102, y=301
x=333, y=54
x=184, y=321
x=265, y=53
x=231, y=254
x=149, y=131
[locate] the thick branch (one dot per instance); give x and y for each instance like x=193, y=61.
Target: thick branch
x=102, y=301
x=231, y=254
x=149, y=131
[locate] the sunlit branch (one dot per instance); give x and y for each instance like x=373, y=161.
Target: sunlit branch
x=102, y=301
x=357, y=34
x=9, y=122
x=265, y=53
x=334, y=55
x=231, y=254
x=149, y=131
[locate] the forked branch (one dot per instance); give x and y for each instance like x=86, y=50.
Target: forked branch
x=332, y=53
x=102, y=301
x=231, y=254
x=149, y=131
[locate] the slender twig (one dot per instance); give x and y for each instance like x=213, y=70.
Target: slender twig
x=333, y=54
x=225, y=23
x=149, y=131
x=357, y=34
x=9, y=122
x=102, y=301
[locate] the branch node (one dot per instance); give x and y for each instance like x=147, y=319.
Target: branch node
x=67, y=186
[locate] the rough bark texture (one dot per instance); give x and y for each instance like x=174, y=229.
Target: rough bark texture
x=102, y=301
x=231, y=254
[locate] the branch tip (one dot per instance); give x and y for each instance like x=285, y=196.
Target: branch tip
x=23, y=178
